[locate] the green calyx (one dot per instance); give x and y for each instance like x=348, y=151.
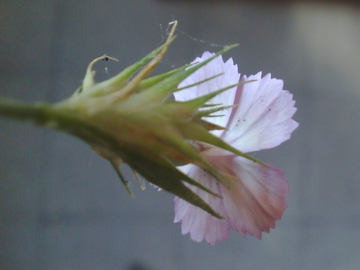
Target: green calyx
x=129, y=119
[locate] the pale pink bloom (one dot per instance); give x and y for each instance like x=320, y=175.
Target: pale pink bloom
x=254, y=197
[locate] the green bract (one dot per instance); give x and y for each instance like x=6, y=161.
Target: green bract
x=129, y=119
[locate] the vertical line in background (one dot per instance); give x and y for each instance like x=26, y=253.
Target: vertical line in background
x=306, y=162
x=53, y=75
x=305, y=173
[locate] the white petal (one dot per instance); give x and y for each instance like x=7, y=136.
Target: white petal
x=196, y=221
x=262, y=118
x=229, y=76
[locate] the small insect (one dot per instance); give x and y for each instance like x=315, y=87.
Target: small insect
x=106, y=58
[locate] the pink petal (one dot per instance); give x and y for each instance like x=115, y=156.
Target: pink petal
x=262, y=118
x=229, y=76
x=196, y=221
x=255, y=198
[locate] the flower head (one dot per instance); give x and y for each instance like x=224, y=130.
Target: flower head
x=130, y=119
x=253, y=193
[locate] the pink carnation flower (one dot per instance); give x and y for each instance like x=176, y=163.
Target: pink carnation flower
x=254, y=197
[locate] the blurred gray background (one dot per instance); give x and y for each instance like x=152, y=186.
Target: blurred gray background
x=63, y=207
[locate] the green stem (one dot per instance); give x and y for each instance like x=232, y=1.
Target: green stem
x=62, y=119
x=47, y=115
x=37, y=112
